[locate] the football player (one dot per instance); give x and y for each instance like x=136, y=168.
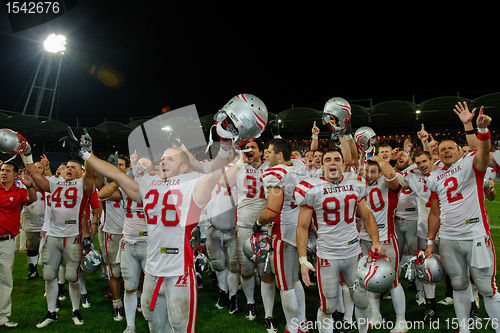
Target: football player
x=335, y=199
x=458, y=213
x=280, y=180
x=383, y=195
x=62, y=238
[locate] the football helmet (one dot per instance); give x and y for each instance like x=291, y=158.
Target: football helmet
x=242, y=119
x=428, y=268
x=257, y=246
x=91, y=261
x=375, y=272
x=365, y=139
x=13, y=143
x=311, y=244
x=337, y=114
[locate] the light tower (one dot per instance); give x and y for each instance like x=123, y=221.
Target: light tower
x=43, y=89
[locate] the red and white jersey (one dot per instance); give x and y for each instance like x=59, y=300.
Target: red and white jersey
x=417, y=182
x=221, y=209
x=334, y=206
x=251, y=194
x=314, y=173
x=490, y=173
x=382, y=202
x=134, y=226
x=285, y=177
x=114, y=215
x=35, y=214
x=461, y=197
x=407, y=206
x=171, y=214
x=64, y=206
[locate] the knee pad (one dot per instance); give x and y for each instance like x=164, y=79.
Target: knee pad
x=31, y=253
x=484, y=288
x=460, y=282
x=233, y=266
x=360, y=297
x=247, y=270
x=71, y=274
x=218, y=265
x=49, y=273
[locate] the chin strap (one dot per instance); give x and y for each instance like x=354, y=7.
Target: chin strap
x=374, y=256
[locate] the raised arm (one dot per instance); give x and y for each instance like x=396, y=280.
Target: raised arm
x=314, y=137
x=481, y=158
x=423, y=136
x=391, y=180
x=41, y=183
x=466, y=116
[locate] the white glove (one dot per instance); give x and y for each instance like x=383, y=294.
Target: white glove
x=303, y=260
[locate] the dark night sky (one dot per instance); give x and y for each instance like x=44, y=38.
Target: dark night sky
x=176, y=54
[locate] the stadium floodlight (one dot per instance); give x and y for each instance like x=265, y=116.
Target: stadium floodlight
x=418, y=112
x=55, y=43
x=167, y=128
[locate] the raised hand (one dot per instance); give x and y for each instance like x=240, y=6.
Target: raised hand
x=462, y=111
x=422, y=134
x=315, y=129
x=482, y=120
x=407, y=145
x=113, y=158
x=133, y=158
x=74, y=144
x=45, y=161
x=26, y=178
x=395, y=154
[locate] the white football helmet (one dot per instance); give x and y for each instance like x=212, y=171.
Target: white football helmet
x=257, y=246
x=337, y=114
x=242, y=119
x=13, y=143
x=365, y=139
x=91, y=262
x=428, y=268
x=375, y=272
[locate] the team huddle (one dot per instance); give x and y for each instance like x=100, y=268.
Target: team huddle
x=350, y=218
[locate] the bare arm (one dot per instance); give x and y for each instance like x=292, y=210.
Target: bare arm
x=490, y=194
x=27, y=180
x=315, y=133
x=481, y=158
x=305, y=216
x=424, y=138
x=353, y=149
x=195, y=164
x=46, y=165
x=106, y=169
x=275, y=199
x=41, y=182
x=346, y=152
x=433, y=223
x=370, y=225
x=107, y=191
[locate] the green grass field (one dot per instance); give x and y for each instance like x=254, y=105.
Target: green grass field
x=29, y=305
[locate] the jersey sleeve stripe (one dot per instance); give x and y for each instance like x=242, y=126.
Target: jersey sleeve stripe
x=277, y=175
x=306, y=184
x=277, y=169
x=300, y=191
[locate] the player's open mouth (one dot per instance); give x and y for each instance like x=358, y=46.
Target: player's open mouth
x=333, y=168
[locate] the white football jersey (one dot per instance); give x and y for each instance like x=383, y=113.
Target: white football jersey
x=461, y=197
x=314, y=173
x=35, y=214
x=64, y=207
x=418, y=184
x=134, y=226
x=221, y=209
x=334, y=206
x=407, y=206
x=251, y=194
x=114, y=215
x=382, y=202
x=171, y=215
x=285, y=177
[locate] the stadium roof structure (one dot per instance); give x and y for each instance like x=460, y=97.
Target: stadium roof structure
x=296, y=122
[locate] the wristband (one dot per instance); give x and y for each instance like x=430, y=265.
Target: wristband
x=314, y=137
x=390, y=180
x=470, y=132
x=482, y=135
x=239, y=163
x=303, y=260
x=85, y=155
x=430, y=241
x=29, y=159
x=29, y=187
x=258, y=223
x=95, y=223
x=224, y=150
